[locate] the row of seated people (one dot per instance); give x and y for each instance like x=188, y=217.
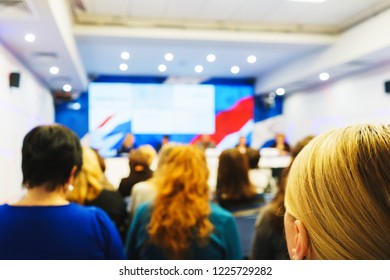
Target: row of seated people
x=234, y=191
x=332, y=190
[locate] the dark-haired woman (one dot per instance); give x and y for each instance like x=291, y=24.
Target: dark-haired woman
x=44, y=225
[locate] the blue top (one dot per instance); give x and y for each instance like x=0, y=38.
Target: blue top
x=68, y=232
x=224, y=243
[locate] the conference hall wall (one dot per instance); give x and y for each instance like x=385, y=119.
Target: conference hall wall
x=21, y=108
x=360, y=98
x=146, y=106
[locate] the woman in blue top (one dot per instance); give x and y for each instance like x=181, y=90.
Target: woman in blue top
x=181, y=223
x=44, y=225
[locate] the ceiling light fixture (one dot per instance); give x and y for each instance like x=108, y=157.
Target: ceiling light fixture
x=67, y=87
x=251, y=59
x=308, y=1
x=198, y=68
x=211, y=58
x=168, y=57
x=54, y=70
x=280, y=91
x=123, y=67
x=324, y=76
x=29, y=37
x=235, y=69
x=162, y=68
x=125, y=55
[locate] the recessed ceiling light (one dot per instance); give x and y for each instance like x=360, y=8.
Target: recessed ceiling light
x=54, y=70
x=198, y=68
x=308, y=1
x=125, y=55
x=67, y=87
x=211, y=58
x=324, y=76
x=29, y=37
x=280, y=91
x=162, y=68
x=123, y=67
x=251, y=59
x=235, y=69
x=168, y=57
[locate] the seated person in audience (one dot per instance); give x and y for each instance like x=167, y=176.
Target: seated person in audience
x=269, y=242
x=205, y=142
x=88, y=190
x=242, y=144
x=181, y=223
x=164, y=140
x=139, y=162
x=128, y=144
x=337, y=196
x=44, y=225
x=147, y=190
x=234, y=190
x=258, y=177
x=105, y=183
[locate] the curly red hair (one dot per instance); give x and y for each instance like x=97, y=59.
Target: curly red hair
x=181, y=210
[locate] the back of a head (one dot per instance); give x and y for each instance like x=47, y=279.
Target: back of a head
x=181, y=209
x=233, y=176
x=87, y=185
x=138, y=161
x=49, y=153
x=278, y=201
x=149, y=152
x=164, y=153
x=338, y=186
x=184, y=166
x=253, y=157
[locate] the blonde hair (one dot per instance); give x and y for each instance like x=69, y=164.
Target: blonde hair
x=149, y=152
x=87, y=184
x=181, y=209
x=339, y=187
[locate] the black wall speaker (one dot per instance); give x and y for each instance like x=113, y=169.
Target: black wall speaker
x=387, y=87
x=14, y=79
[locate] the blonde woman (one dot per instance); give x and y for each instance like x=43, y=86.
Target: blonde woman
x=181, y=223
x=88, y=190
x=338, y=196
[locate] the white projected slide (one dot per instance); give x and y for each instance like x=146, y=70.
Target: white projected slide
x=154, y=108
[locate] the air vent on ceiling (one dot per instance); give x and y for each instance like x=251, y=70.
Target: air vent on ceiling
x=17, y=9
x=44, y=57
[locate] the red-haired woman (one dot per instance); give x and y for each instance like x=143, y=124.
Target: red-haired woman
x=181, y=223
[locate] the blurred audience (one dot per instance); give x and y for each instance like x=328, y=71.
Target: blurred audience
x=337, y=196
x=269, y=242
x=44, y=225
x=181, y=223
x=234, y=190
x=88, y=190
x=257, y=176
x=140, y=161
x=147, y=190
x=104, y=181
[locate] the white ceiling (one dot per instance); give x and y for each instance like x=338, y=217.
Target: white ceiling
x=84, y=38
